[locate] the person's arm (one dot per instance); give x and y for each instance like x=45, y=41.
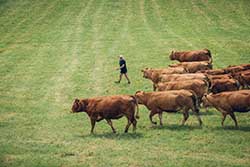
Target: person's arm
x=120, y=67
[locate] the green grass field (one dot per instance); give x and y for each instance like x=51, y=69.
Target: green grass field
x=54, y=51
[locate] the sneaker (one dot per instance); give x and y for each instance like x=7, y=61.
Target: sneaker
x=129, y=82
x=117, y=82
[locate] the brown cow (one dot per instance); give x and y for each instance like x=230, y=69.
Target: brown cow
x=154, y=74
x=169, y=101
x=221, y=76
x=195, y=55
x=205, y=103
x=151, y=72
x=212, y=72
x=200, y=87
x=193, y=67
x=230, y=102
x=182, y=77
x=222, y=85
x=108, y=107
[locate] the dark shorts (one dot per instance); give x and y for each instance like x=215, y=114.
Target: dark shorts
x=123, y=71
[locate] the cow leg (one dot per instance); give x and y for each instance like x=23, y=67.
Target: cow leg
x=128, y=125
x=160, y=117
x=196, y=112
x=234, y=118
x=185, y=117
x=224, y=115
x=152, y=113
x=134, y=122
x=154, y=87
x=111, y=125
x=199, y=118
x=92, y=125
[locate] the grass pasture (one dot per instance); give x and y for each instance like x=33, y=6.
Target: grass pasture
x=54, y=51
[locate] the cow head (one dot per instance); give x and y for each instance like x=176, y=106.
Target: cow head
x=78, y=106
x=147, y=73
x=205, y=102
x=210, y=66
x=171, y=56
x=139, y=95
x=174, y=65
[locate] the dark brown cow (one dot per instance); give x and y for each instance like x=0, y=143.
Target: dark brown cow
x=230, y=102
x=193, y=67
x=195, y=55
x=222, y=76
x=234, y=69
x=200, y=87
x=169, y=101
x=245, y=66
x=222, y=85
x=246, y=79
x=108, y=107
x=243, y=77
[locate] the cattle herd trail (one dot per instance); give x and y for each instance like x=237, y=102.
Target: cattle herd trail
x=54, y=54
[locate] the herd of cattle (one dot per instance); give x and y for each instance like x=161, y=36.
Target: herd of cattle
x=185, y=86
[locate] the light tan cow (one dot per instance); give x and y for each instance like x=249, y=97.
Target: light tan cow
x=169, y=101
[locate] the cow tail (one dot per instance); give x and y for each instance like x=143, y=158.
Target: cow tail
x=208, y=81
x=195, y=101
x=208, y=84
x=137, y=107
x=237, y=84
x=209, y=54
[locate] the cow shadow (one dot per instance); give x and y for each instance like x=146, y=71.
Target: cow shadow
x=207, y=113
x=201, y=113
x=233, y=128
x=176, y=127
x=118, y=135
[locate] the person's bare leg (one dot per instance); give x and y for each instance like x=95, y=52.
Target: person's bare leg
x=120, y=78
x=127, y=78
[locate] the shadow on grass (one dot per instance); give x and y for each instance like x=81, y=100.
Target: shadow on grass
x=110, y=135
x=177, y=127
x=192, y=114
x=207, y=113
x=2, y=2
x=233, y=128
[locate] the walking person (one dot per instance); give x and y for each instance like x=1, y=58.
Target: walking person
x=123, y=69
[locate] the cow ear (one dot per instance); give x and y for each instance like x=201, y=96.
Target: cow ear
x=77, y=100
x=137, y=91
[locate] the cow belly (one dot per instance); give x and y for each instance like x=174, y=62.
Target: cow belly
x=114, y=116
x=241, y=109
x=171, y=111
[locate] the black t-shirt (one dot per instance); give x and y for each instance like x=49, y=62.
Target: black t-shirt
x=124, y=68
